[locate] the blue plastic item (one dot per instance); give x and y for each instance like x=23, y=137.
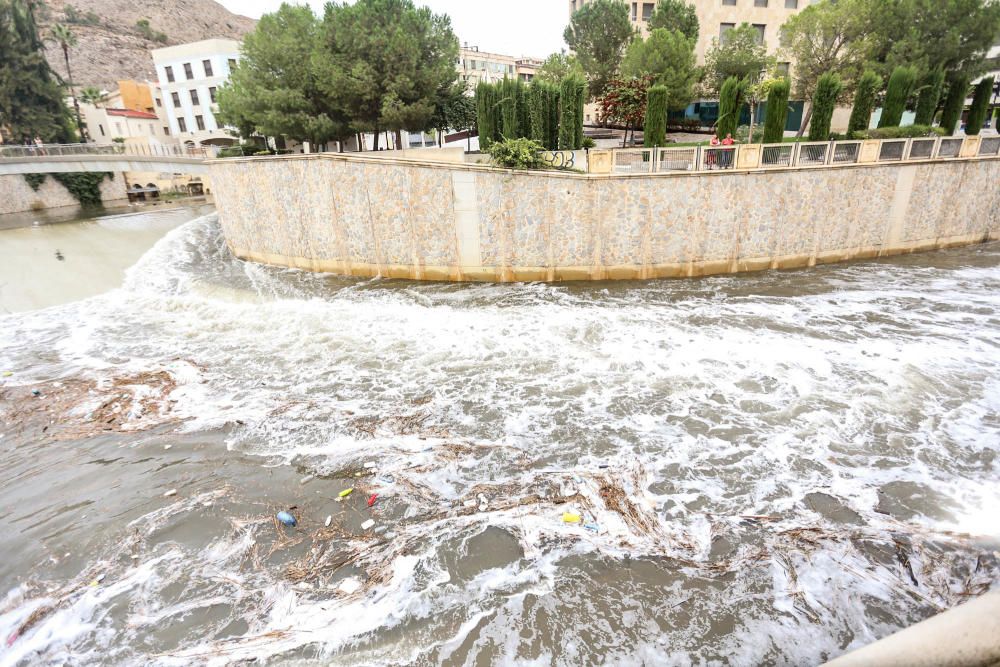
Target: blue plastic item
x=287, y=519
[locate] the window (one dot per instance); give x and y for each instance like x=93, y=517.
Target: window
x=724, y=29
x=784, y=69
x=647, y=11
x=176, y=98
x=211, y=94
x=194, y=97
x=761, y=29
x=760, y=3
x=635, y=11
x=232, y=64
x=200, y=122
x=791, y=4
x=118, y=129
x=181, y=125
x=170, y=73
x=158, y=102
x=731, y=3
x=207, y=64
x=166, y=130
x=188, y=72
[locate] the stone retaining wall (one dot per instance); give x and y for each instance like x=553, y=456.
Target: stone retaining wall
x=353, y=215
x=16, y=195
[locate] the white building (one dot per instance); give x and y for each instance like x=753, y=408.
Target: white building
x=189, y=76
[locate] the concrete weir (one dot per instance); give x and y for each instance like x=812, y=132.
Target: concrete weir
x=426, y=220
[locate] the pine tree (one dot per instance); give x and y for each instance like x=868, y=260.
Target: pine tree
x=954, y=104
x=655, y=130
x=929, y=96
x=777, y=111
x=980, y=106
x=828, y=88
x=864, y=101
x=901, y=83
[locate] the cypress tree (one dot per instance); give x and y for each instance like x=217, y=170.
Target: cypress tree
x=655, y=130
x=864, y=101
x=930, y=95
x=980, y=106
x=484, y=114
x=777, y=112
x=728, y=110
x=567, y=114
x=954, y=104
x=581, y=100
x=523, y=113
x=554, y=99
x=824, y=101
x=898, y=91
x=508, y=110
x=536, y=112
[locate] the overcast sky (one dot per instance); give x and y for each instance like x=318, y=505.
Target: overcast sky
x=511, y=27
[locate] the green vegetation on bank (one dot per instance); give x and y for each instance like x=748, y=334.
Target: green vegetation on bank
x=84, y=186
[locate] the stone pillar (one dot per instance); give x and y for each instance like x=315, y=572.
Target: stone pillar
x=748, y=156
x=869, y=150
x=970, y=147
x=599, y=161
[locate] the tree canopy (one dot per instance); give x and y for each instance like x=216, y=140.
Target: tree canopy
x=598, y=33
x=676, y=15
x=31, y=100
x=741, y=54
x=557, y=67
x=668, y=57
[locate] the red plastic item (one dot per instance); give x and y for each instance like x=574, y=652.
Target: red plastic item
x=371, y=499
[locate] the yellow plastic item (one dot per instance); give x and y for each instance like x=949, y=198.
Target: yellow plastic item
x=569, y=517
x=346, y=492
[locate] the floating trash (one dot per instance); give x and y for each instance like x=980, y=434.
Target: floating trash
x=349, y=586
x=329, y=520
x=307, y=479
x=370, y=465
x=35, y=392
x=287, y=519
x=7, y=374
x=592, y=527
x=469, y=503
x=346, y=492
x=372, y=498
x=171, y=492
x=367, y=524
x=571, y=517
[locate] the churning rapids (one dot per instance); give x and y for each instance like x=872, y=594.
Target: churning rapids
x=768, y=469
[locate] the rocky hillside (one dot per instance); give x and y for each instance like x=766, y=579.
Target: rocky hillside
x=111, y=46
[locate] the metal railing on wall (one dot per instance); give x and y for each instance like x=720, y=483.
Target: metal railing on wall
x=136, y=150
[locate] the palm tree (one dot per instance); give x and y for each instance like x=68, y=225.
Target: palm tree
x=62, y=35
x=92, y=95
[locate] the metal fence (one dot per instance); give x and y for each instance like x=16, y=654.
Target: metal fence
x=892, y=150
x=845, y=152
x=777, y=155
x=145, y=150
x=633, y=160
x=718, y=158
x=677, y=159
x=950, y=147
x=812, y=154
x=989, y=146
x=921, y=149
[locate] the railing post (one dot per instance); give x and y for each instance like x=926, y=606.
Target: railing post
x=829, y=152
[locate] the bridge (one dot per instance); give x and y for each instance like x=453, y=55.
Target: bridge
x=61, y=158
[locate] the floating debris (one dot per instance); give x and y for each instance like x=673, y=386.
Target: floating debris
x=346, y=492
x=171, y=492
x=571, y=517
x=372, y=498
x=367, y=524
x=287, y=519
x=329, y=520
x=371, y=465
x=307, y=479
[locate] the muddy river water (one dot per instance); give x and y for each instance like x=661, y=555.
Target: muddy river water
x=770, y=468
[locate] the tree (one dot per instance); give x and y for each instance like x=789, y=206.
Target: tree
x=896, y=94
x=92, y=95
x=828, y=37
x=676, y=15
x=385, y=62
x=567, y=115
x=557, y=67
x=668, y=57
x=487, y=114
x=980, y=106
x=777, y=112
x=274, y=90
x=928, y=97
x=64, y=37
x=579, y=102
x=598, y=33
x=31, y=102
x=455, y=111
x=624, y=102
x=729, y=108
x=655, y=130
x=954, y=103
x=864, y=102
x=742, y=54
x=824, y=102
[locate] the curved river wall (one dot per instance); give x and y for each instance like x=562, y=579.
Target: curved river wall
x=404, y=218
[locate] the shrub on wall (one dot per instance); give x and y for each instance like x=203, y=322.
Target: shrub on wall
x=901, y=83
x=910, y=131
x=929, y=96
x=864, y=102
x=84, y=186
x=516, y=154
x=35, y=180
x=980, y=106
x=728, y=111
x=954, y=104
x=777, y=112
x=824, y=101
x=655, y=130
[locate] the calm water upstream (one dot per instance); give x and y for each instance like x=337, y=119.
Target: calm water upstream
x=767, y=469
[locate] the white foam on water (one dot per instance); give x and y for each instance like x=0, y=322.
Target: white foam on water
x=706, y=404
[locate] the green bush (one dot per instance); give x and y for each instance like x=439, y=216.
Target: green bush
x=954, y=104
x=729, y=114
x=777, y=112
x=516, y=154
x=908, y=132
x=864, y=101
x=980, y=106
x=824, y=102
x=655, y=130
x=901, y=83
x=588, y=142
x=35, y=180
x=929, y=96
x=84, y=186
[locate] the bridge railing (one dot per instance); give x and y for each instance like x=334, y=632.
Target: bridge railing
x=141, y=150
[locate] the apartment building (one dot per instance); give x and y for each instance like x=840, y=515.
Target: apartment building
x=474, y=66
x=717, y=17
x=189, y=76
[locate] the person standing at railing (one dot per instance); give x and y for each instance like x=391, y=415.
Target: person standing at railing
x=711, y=157
x=727, y=155
x=39, y=144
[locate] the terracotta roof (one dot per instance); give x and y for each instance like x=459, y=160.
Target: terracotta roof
x=129, y=113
